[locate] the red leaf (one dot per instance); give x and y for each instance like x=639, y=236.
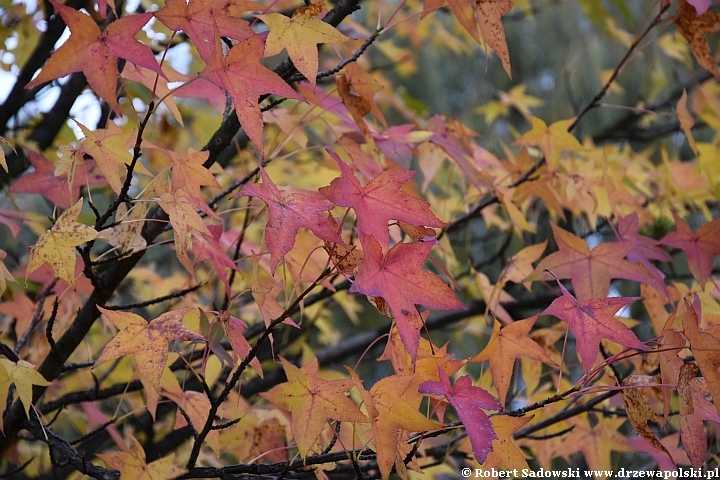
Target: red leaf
x=400, y=280
x=55, y=189
x=700, y=247
x=104, y=48
x=468, y=401
x=196, y=19
x=379, y=201
x=593, y=320
x=287, y=214
x=207, y=247
x=245, y=79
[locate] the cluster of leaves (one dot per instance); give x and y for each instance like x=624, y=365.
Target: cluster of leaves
x=303, y=242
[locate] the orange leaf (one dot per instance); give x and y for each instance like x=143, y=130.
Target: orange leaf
x=694, y=27
x=147, y=341
x=116, y=41
x=505, y=346
x=312, y=401
x=705, y=346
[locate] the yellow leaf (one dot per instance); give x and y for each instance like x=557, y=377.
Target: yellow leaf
x=57, y=245
x=300, y=36
x=147, y=342
x=552, y=140
x=686, y=120
x=24, y=376
x=132, y=464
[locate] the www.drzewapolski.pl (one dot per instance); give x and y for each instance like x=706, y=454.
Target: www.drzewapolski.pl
x=577, y=473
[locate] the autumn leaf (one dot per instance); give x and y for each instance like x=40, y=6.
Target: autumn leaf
x=592, y=320
x=504, y=451
x=190, y=173
x=57, y=245
x=505, y=346
x=182, y=212
x=207, y=247
x=197, y=18
x=132, y=463
x=56, y=188
x=694, y=409
x=234, y=328
x=519, y=266
x=590, y=270
x=686, y=120
x=489, y=14
x=486, y=16
x=116, y=41
x=3, y=160
x=644, y=249
x=300, y=36
x=392, y=404
x=639, y=411
x=127, y=234
x=552, y=140
x=287, y=213
x=312, y=401
x=468, y=402
x=5, y=274
x=147, y=342
x=242, y=75
x=24, y=376
x=700, y=247
x=110, y=147
x=705, y=346
x=379, y=201
x=398, y=277
x=694, y=27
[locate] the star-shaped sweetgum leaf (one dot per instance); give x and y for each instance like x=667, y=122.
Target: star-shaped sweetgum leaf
x=392, y=404
x=590, y=270
x=552, y=140
x=505, y=346
x=705, y=346
x=147, y=341
x=57, y=245
x=245, y=79
x=379, y=201
x=196, y=19
x=100, y=51
x=468, y=401
x=287, y=213
x=700, y=247
x=398, y=277
x=190, y=172
x=312, y=401
x=300, y=36
x=592, y=320
x=132, y=463
x=110, y=147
